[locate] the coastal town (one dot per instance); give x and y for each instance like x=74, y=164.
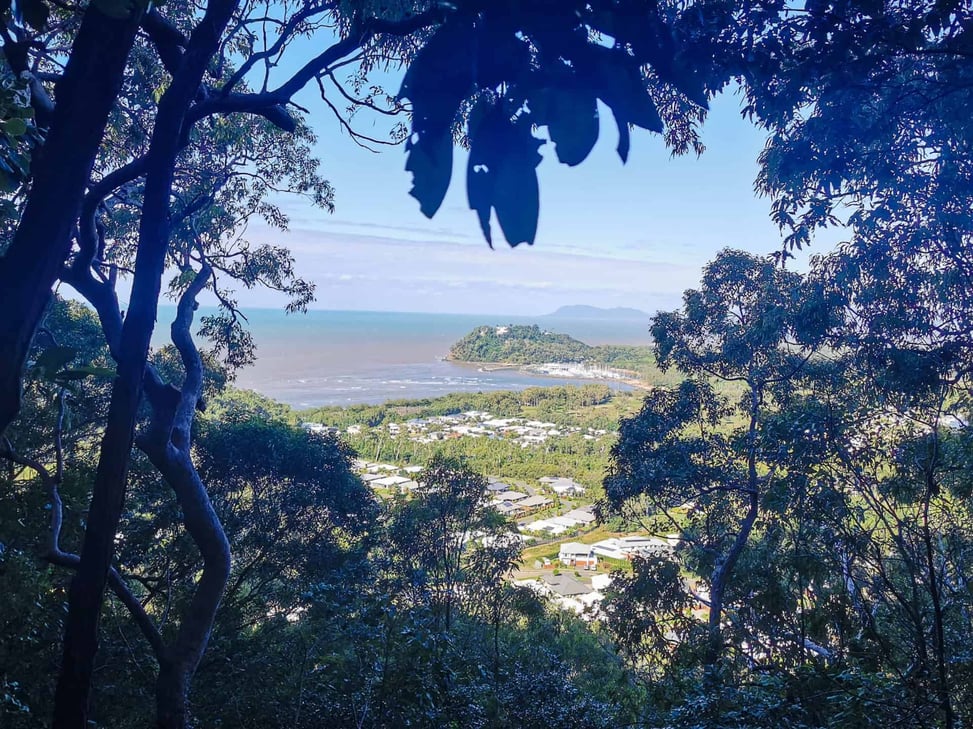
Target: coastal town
x=471, y=424
x=567, y=556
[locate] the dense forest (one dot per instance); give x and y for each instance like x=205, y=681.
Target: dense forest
x=174, y=552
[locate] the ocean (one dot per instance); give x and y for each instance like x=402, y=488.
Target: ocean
x=351, y=357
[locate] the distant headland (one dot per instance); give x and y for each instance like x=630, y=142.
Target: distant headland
x=539, y=351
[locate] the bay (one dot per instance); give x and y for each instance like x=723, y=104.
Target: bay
x=351, y=357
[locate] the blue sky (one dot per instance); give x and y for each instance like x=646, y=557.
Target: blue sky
x=610, y=234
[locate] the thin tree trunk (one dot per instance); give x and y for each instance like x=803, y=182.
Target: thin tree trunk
x=171, y=697
x=61, y=168
x=88, y=585
x=935, y=593
x=203, y=525
x=723, y=571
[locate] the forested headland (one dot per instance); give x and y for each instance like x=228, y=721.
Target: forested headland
x=530, y=345
x=175, y=553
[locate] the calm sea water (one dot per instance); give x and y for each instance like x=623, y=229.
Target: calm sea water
x=350, y=357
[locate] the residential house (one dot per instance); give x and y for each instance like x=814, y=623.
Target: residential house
x=534, y=502
x=627, y=547
x=567, y=592
x=390, y=481
x=566, y=487
x=582, y=516
x=575, y=554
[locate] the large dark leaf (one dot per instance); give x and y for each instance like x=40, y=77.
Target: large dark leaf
x=430, y=161
x=571, y=116
x=618, y=82
x=440, y=77
x=502, y=176
x=620, y=85
x=624, y=139
x=480, y=184
x=642, y=25
x=502, y=56
x=516, y=197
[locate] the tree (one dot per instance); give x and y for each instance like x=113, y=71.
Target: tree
x=188, y=60
x=451, y=543
x=60, y=171
x=751, y=325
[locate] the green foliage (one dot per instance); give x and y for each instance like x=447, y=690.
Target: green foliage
x=18, y=135
x=590, y=405
x=518, y=344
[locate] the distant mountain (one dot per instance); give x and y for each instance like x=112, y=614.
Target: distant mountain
x=580, y=311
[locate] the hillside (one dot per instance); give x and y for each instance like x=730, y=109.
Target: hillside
x=531, y=345
x=519, y=344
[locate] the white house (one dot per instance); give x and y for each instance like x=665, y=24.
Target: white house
x=575, y=554
x=567, y=487
x=568, y=593
x=627, y=547
x=545, y=525
x=390, y=481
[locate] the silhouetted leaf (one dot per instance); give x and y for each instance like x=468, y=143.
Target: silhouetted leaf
x=619, y=84
x=430, y=161
x=479, y=193
x=516, y=198
x=571, y=116
x=652, y=41
x=502, y=56
x=440, y=77
x=501, y=175
x=624, y=139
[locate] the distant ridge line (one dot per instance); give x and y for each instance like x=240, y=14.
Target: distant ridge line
x=582, y=311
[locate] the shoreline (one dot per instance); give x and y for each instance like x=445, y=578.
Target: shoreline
x=563, y=370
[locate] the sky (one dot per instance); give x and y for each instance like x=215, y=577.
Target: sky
x=634, y=235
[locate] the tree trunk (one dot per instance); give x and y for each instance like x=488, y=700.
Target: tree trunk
x=724, y=569
x=61, y=168
x=171, y=692
x=205, y=528
x=88, y=585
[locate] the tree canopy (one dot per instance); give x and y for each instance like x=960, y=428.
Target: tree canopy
x=821, y=497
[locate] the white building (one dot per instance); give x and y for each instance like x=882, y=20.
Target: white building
x=576, y=554
x=566, y=487
x=627, y=547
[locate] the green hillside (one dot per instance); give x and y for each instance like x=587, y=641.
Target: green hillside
x=529, y=345
x=519, y=344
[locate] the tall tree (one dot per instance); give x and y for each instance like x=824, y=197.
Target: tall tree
x=752, y=326
x=74, y=127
